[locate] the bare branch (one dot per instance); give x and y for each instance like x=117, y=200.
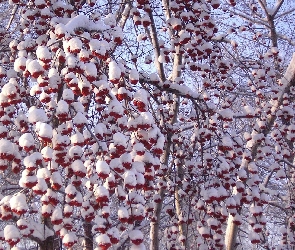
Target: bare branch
x=154, y=39
x=12, y=16
x=278, y=6
x=285, y=13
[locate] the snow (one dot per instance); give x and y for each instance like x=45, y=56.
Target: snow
x=110, y=19
x=75, y=44
x=114, y=232
x=141, y=95
x=123, y=212
x=68, y=208
x=120, y=191
x=43, y=173
x=62, y=107
x=134, y=76
x=103, y=239
x=84, y=54
x=78, y=107
x=135, y=234
x=6, y=146
x=116, y=107
x=60, y=29
x=138, y=147
x=26, y=179
x=37, y=115
x=57, y=214
x=100, y=129
x=70, y=190
x=34, y=67
x=43, y=53
x=71, y=61
x=26, y=140
x=226, y=141
x=135, y=197
x=77, y=138
x=101, y=191
x=114, y=71
x=41, y=231
x=80, y=119
x=84, y=84
x=102, y=167
x=11, y=232
x=82, y=21
x=120, y=139
x=255, y=209
x=22, y=223
x=56, y=178
x=99, y=47
x=44, y=130
x=130, y=178
x=29, y=161
x=126, y=157
x=76, y=151
x=78, y=166
x=41, y=185
x=9, y=89
x=226, y=113
x=47, y=152
x=248, y=110
x=18, y=202
x=69, y=238
x=90, y=69
x=204, y=231
x=138, y=165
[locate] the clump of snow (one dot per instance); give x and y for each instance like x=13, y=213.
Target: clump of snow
x=102, y=167
x=43, y=54
x=26, y=140
x=35, y=68
x=103, y=240
x=135, y=235
x=74, y=45
x=18, y=203
x=133, y=76
x=114, y=71
x=44, y=130
x=37, y=115
x=81, y=21
x=79, y=168
x=80, y=119
x=130, y=179
x=20, y=64
x=62, y=107
x=11, y=233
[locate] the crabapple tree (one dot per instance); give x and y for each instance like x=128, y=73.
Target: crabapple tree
x=146, y=124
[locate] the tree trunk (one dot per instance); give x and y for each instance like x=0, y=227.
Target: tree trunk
x=49, y=244
x=231, y=231
x=88, y=237
x=231, y=234
x=154, y=233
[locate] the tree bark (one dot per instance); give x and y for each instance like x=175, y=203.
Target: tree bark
x=88, y=237
x=49, y=244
